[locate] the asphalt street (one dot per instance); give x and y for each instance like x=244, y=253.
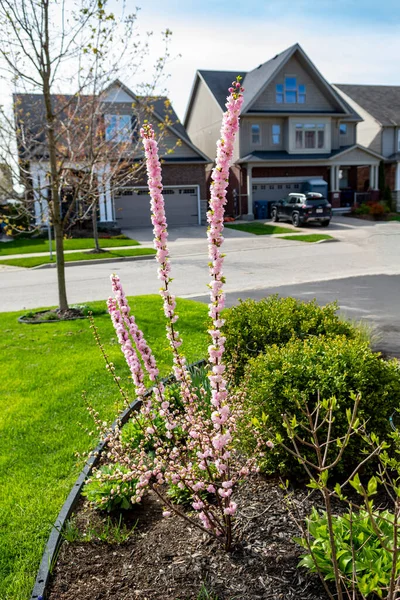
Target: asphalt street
x=361, y=270
x=373, y=299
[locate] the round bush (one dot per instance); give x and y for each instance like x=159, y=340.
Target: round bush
x=252, y=326
x=332, y=367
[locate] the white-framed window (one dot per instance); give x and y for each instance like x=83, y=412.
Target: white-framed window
x=255, y=134
x=118, y=128
x=290, y=92
x=398, y=140
x=343, y=128
x=309, y=136
x=276, y=134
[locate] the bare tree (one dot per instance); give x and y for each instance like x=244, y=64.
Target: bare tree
x=61, y=139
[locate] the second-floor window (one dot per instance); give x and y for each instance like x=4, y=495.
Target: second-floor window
x=276, y=134
x=255, y=134
x=310, y=135
x=290, y=92
x=343, y=128
x=118, y=128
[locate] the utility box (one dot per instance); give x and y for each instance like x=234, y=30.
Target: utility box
x=315, y=185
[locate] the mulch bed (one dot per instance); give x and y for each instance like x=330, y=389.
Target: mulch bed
x=52, y=316
x=167, y=559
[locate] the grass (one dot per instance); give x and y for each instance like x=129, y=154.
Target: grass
x=34, y=261
x=312, y=237
x=27, y=246
x=44, y=370
x=259, y=228
x=395, y=218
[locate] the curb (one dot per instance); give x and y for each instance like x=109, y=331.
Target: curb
x=50, y=553
x=95, y=261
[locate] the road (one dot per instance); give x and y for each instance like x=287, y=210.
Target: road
x=252, y=263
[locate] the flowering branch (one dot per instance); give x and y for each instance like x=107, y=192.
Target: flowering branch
x=192, y=445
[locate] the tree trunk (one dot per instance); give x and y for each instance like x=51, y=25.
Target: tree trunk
x=95, y=228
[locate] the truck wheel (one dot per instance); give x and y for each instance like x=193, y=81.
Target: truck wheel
x=274, y=215
x=296, y=219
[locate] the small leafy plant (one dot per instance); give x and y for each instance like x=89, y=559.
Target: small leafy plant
x=359, y=550
x=108, y=489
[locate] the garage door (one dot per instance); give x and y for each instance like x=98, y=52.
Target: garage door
x=275, y=191
x=132, y=208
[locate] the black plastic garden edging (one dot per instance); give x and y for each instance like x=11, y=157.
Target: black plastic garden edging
x=50, y=553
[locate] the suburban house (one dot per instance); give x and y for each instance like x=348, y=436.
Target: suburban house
x=297, y=133
x=120, y=114
x=379, y=107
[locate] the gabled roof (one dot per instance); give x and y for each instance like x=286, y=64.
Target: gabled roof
x=218, y=82
x=255, y=81
x=31, y=109
x=381, y=101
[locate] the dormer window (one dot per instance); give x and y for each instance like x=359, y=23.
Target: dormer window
x=343, y=128
x=255, y=134
x=118, y=128
x=290, y=92
x=276, y=134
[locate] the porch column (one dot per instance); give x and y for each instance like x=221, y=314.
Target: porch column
x=372, y=177
x=40, y=192
x=250, y=213
x=105, y=196
x=397, y=178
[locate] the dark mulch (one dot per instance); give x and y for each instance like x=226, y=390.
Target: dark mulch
x=48, y=316
x=166, y=559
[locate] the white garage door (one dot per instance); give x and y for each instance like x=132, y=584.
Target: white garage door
x=274, y=191
x=132, y=207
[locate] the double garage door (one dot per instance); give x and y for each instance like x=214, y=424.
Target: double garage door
x=132, y=207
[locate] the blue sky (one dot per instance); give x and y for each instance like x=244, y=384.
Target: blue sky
x=350, y=41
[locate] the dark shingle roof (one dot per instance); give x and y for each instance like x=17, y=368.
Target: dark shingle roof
x=255, y=79
x=380, y=101
x=283, y=155
x=219, y=82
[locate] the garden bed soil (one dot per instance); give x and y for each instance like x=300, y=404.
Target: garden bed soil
x=52, y=316
x=167, y=559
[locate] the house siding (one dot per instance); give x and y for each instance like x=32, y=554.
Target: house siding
x=388, y=141
x=368, y=131
x=246, y=145
x=204, y=123
x=316, y=98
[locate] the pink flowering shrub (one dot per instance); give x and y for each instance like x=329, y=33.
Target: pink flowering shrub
x=191, y=440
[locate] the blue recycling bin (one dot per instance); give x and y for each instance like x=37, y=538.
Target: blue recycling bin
x=261, y=209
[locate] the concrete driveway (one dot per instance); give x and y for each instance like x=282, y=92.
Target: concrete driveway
x=252, y=262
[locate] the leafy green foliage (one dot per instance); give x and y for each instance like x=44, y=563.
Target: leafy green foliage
x=354, y=536
x=253, y=326
x=107, y=489
x=283, y=379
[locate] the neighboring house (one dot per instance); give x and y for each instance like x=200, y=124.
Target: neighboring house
x=296, y=133
x=379, y=106
x=121, y=116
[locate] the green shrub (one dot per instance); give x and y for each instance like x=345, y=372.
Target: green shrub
x=253, y=326
x=283, y=379
x=107, y=489
x=374, y=563
x=363, y=209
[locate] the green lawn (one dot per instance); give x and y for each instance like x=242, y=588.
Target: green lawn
x=312, y=237
x=44, y=369
x=34, y=261
x=27, y=246
x=395, y=218
x=259, y=228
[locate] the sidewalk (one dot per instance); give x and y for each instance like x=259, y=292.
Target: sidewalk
x=35, y=254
